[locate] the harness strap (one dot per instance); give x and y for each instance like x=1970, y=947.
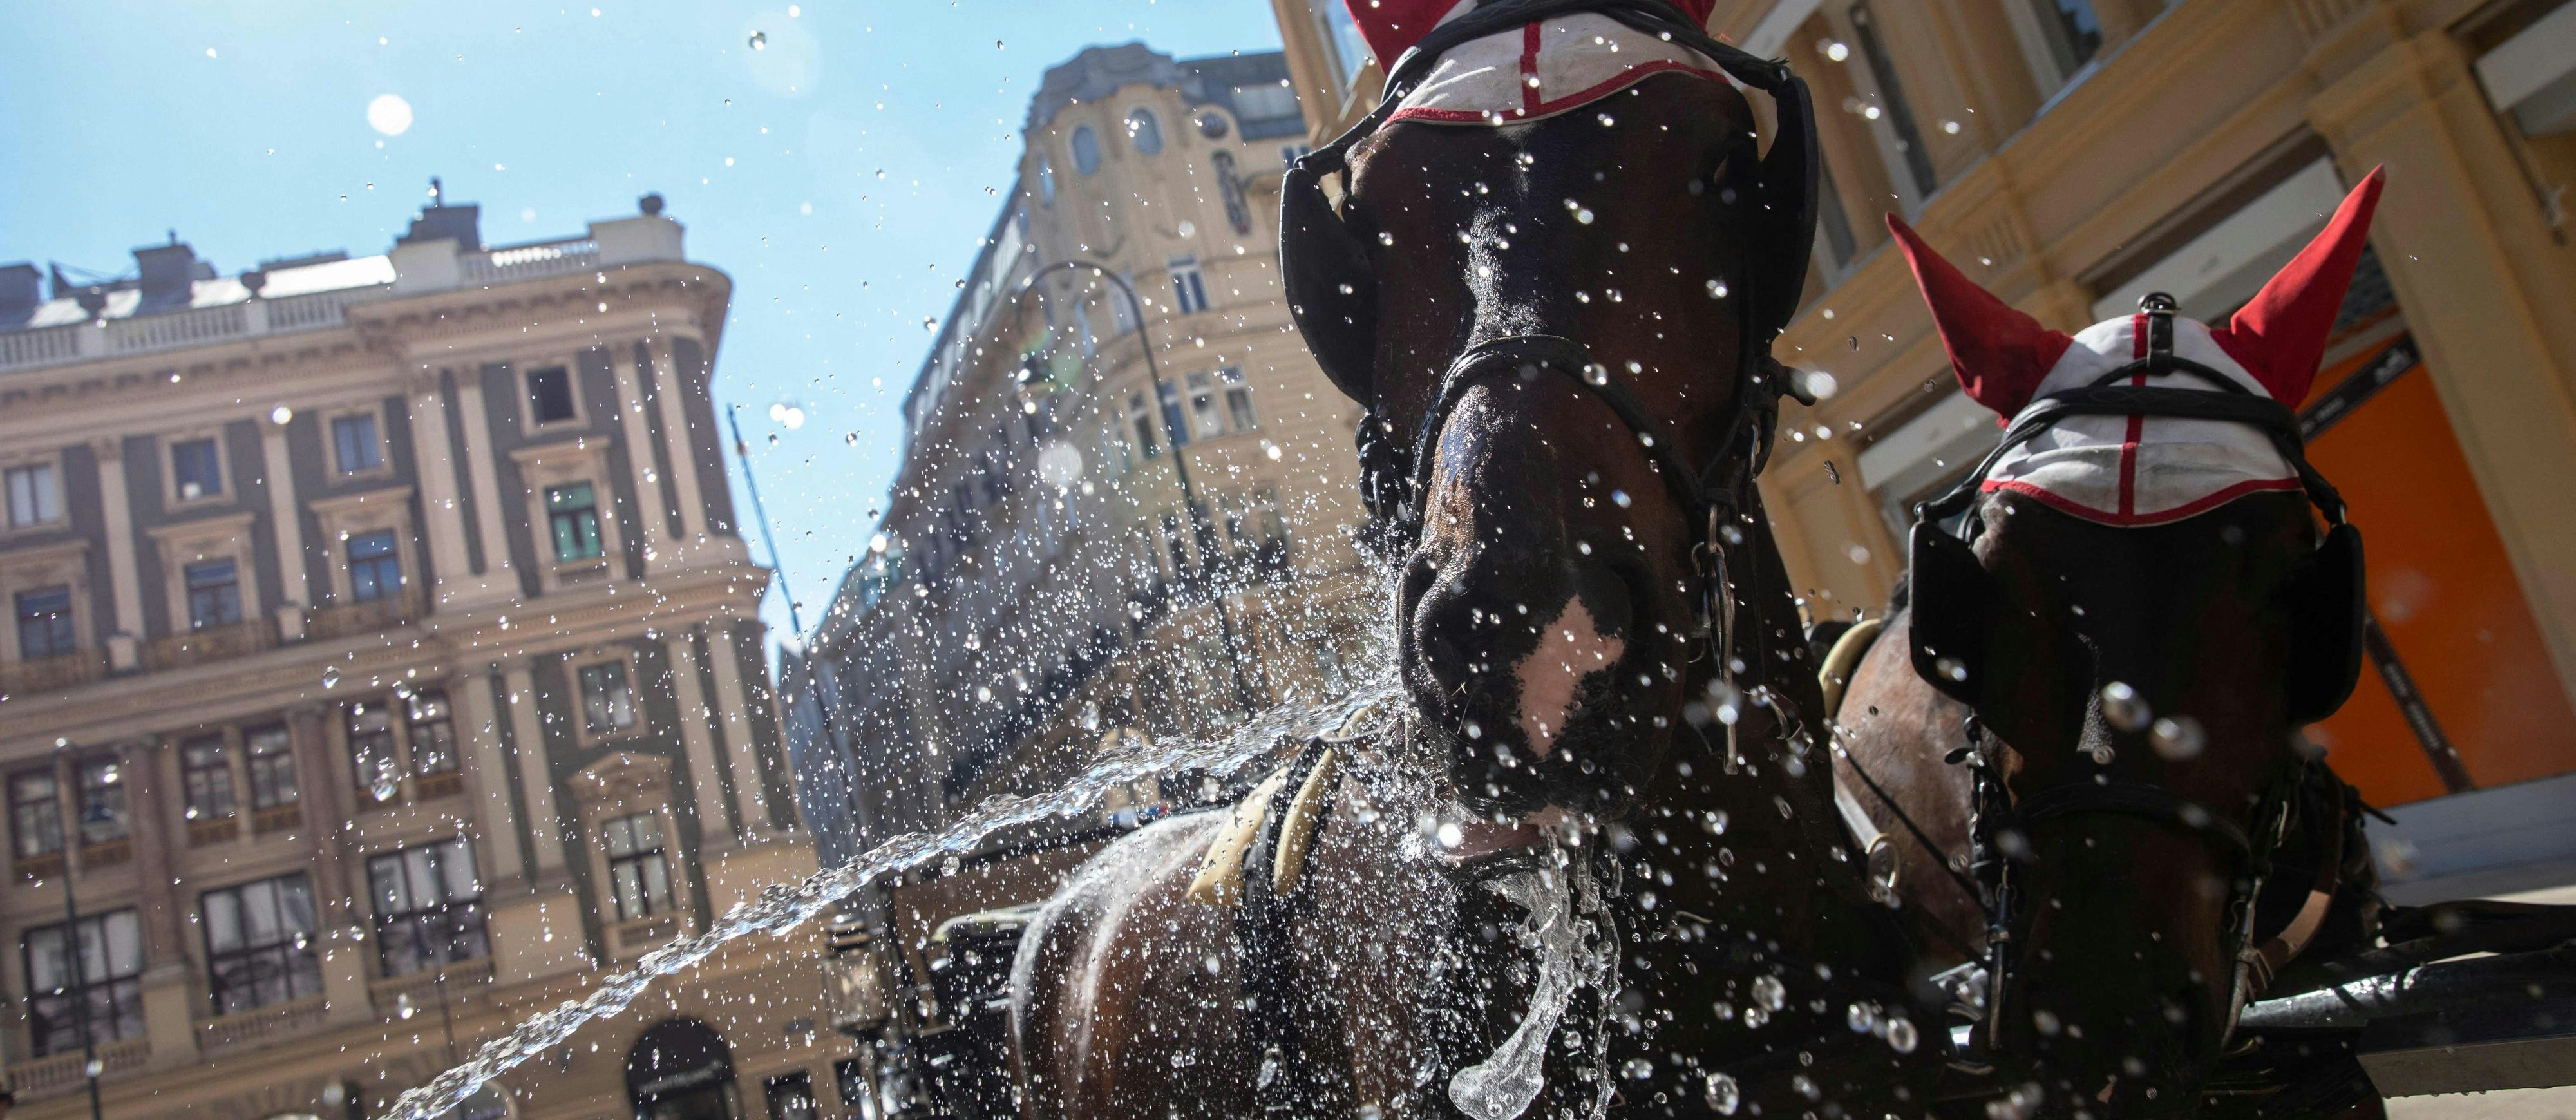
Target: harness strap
x=2134, y=799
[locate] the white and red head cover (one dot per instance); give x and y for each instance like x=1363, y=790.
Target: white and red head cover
x=2129, y=470
x=1538, y=70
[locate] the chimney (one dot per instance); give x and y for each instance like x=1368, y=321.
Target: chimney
x=440, y=221
x=168, y=272
x=21, y=289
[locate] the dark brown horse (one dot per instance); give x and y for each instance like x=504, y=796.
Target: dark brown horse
x=1594, y=862
x=2079, y=739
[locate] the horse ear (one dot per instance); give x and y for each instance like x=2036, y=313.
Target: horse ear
x=1331, y=288
x=1999, y=353
x=1953, y=600
x=2325, y=599
x=2281, y=334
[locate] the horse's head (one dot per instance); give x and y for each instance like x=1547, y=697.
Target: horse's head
x=2145, y=618
x=1548, y=596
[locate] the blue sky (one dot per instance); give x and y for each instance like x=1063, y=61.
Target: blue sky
x=841, y=174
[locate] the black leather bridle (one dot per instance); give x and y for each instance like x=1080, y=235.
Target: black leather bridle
x=1939, y=561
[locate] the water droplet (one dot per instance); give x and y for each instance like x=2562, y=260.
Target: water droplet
x=1723, y=1095
x=2123, y=708
x=1772, y=994
x=760, y=40
x=330, y=676
x=1862, y=1018
x=1619, y=498
x=1806, y=1087
x=2178, y=738
x=2046, y=1022
x=1637, y=1069
x=1902, y=1036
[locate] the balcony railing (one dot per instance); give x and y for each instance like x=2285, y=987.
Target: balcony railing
x=344, y=619
x=419, y=991
x=245, y=1028
x=522, y=262
x=276, y=818
x=175, y=330
x=214, y=643
x=631, y=939
x=43, y=674
x=55, y=1075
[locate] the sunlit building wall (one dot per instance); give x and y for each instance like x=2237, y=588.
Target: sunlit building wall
x=384, y=666
x=2071, y=155
x=1042, y=587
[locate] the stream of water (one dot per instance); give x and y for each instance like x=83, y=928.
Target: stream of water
x=782, y=907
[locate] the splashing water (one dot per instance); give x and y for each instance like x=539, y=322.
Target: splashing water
x=781, y=907
x=1574, y=949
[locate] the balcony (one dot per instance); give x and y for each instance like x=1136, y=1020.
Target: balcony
x=44, y=865
x=344, y=619
x=628, y=940
x=45, y=674
x=400, y=997
x=214, y=643
x=431, y=787
x=276, y=818
x=220, y=830
x=107, y=853
x=57, y=1075
x=246, y=1028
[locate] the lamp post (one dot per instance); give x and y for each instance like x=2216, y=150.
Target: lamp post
x=1180, y=469
x=72, y=960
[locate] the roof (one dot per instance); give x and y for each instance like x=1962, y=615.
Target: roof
x=126, y=301
x=1098, y=72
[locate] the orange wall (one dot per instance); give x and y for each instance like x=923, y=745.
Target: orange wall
x=2447, y=597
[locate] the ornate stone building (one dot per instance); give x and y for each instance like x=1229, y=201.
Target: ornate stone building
x=1084, y=544
x=384, y=664
x=2072, y=155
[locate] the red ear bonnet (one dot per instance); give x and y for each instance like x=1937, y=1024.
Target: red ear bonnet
x=2281, y=335
x=1999, y=354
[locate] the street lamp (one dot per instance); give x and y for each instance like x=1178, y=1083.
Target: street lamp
x=1180, y=469
x=72, y=959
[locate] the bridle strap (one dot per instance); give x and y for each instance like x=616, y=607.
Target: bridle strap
x=1526, y=355
x=2130, y=799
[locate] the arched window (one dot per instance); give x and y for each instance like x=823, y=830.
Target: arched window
x=1086, y=150
x=1144, y=131
x=681, y=1068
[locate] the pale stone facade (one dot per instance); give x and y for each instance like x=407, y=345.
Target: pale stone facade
x=385, y=665
x=1044, y=586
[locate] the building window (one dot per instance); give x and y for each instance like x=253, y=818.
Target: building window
x=1238, y=399
x=272, y=768
x=637, y=874
x=1142, y=419
x=45, y=623
x=371, y=751
x=1229, y=189
x=105, y=998
x=1265, y=102
x=353, y=440
x=1145, y=132
x=259, y=944
x=607, y=703
x=1344, y=47
x=35, y=813
x=1175, y=426
x=1203, y=409
x=375, y=566
x=1086, y=150
x=791, y=1096
x=573, y=513
x=103, y=816
x=196, y=468
x=1046, y=183
x=433, y=733
x=34, y=497
x=206, y=769
x=429, y=907
x=549, y=395
x=1189, y=289
x=1900, y=115
x=2072, y=32
x=214, y=594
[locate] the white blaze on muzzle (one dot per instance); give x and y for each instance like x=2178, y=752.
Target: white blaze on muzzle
x=1571, y=647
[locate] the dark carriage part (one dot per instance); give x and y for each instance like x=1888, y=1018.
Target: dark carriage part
x=2471, y=1025
x=966, y=1062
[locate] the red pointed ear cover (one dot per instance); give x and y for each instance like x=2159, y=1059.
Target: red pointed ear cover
x=2281, y=335
x=1999, y=353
